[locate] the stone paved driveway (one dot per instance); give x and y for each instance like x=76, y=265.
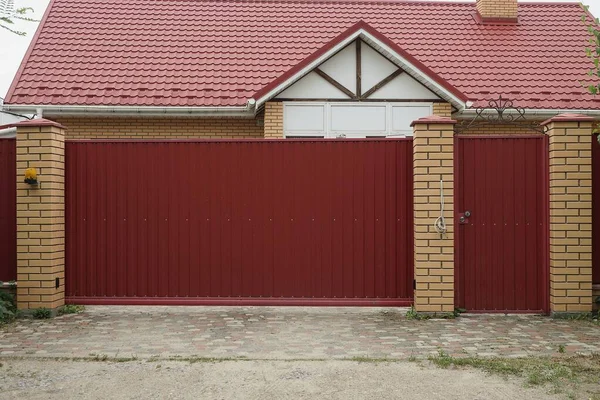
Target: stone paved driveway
x=289, y=333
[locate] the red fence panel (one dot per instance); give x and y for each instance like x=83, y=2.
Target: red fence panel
x=8, y=210
x=253, y=222
x=596, y=209
x=502, y=243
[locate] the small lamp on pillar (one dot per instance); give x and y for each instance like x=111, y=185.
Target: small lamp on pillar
x=31, y=176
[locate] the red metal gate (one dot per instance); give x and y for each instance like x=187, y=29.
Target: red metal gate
x=239, y=222
x=596, y=210
x=502, y=257
x=8, y=210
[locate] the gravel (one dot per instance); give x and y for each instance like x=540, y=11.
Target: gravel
x=43, y=379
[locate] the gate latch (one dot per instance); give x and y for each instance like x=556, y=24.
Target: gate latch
x=463, y=218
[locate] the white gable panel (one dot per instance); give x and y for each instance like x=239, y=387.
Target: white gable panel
x=374, y=67
x=304, y=118
x=312, y=86
x=357, y=118
x=404, y=115
x=404, y=87
x=342, y=67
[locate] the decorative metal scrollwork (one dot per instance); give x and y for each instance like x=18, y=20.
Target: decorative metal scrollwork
x=500, y=111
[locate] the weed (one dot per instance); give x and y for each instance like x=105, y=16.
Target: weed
x=41, y=313
x=564, y=373
x=70, y=309
x=583, y=316
x=8, y=307
x=561, y=348
x=414, y=315
x=442, y=359
x=547, y=373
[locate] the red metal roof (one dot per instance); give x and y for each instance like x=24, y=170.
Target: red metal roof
x=220, y=53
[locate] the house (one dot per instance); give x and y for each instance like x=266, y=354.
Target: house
x=419, y=152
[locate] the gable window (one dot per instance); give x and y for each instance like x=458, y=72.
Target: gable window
x=351, y=119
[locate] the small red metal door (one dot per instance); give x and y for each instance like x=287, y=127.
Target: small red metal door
x=502, y=223
x=8, y=210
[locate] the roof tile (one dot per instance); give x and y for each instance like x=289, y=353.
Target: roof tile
x=220, y=52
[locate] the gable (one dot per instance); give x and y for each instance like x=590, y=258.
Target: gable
x=357, y=72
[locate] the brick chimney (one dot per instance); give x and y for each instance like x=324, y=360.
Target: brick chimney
x=504, y=10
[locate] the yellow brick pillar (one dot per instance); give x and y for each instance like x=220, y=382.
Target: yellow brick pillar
x=273, y=120
x=570, y=137
x=433, y=161
x=40, y=215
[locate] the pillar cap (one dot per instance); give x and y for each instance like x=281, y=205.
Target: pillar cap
x=434, y=119
x=568, y=117
x=34, y=123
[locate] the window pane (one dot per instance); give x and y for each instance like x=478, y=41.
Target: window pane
x=403, y=116
x=299, y=119
x=358, y=119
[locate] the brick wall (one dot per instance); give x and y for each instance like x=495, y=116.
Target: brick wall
x=570, y=213
x=40, y=216
x=433, y=158
x=274, y=119
x=160, y=128
x=442, y=109
x=499, y=130
x=497, y=8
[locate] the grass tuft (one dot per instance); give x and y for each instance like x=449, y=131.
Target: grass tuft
x=70, y=309
x=562, y=373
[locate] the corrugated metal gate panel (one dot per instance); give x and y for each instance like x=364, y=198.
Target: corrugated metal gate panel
x=8, y=210
x=202, y=220
x=501, y=258
x=596, y=209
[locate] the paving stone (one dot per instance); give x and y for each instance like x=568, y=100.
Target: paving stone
x=290, y=333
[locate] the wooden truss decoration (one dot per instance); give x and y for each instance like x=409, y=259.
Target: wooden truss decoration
x=359, y=95
x=500, y=111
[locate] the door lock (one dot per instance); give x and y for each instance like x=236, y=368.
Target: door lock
x=464, y=217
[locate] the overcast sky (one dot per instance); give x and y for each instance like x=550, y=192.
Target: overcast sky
x=13, y=47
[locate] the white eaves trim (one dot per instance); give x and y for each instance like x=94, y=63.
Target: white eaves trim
x=391, y=54
x=128, y=111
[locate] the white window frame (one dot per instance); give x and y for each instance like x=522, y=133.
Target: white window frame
x=328, y=133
